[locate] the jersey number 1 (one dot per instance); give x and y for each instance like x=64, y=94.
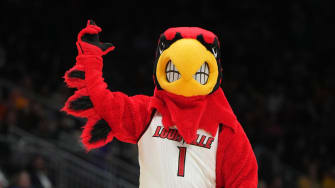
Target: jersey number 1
x=181, y=161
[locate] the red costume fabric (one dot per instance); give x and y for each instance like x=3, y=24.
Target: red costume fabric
x=127, y=117
x=189, y=114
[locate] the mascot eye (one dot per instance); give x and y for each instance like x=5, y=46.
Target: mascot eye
x=161, y=47
x=215, y=52
x=202, y=74
x=172, y=74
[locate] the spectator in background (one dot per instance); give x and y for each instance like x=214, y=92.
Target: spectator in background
x=19, y=100
x=277, y=182
x=329, y=179
x=311, y=180
x=22, y=180
x=39, y=174
x=3, y=180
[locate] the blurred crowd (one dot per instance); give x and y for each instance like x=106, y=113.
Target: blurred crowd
x=34, y=175
x=277, y=67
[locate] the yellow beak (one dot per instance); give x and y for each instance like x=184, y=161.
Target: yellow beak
x=188, y=55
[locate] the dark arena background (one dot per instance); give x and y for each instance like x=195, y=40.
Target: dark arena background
x=278, y=75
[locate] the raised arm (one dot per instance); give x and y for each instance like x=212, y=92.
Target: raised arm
x=109, y=114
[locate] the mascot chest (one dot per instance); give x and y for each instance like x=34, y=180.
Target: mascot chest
x=167, y=161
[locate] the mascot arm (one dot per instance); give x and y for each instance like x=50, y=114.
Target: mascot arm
x=237, y=165
x=109, y=114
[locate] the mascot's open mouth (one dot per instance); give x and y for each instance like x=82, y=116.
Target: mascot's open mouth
x=172, y=73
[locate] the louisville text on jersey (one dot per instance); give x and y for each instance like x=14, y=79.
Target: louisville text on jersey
x=172, y=134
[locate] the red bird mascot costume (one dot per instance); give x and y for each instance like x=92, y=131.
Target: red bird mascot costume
x=187, y=133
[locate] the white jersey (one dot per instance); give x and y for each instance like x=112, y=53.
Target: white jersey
x=166, y=161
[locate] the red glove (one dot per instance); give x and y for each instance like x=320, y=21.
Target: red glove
x=88, y=42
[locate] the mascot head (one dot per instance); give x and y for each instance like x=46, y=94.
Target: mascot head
x=187, y=74
x=188, y=62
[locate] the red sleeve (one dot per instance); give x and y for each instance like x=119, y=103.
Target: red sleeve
x=109, y=114
x=236, y=161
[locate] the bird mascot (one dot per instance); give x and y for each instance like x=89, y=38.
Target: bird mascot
x=187, y=133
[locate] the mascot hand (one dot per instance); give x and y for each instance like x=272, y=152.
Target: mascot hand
x=88, y=42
